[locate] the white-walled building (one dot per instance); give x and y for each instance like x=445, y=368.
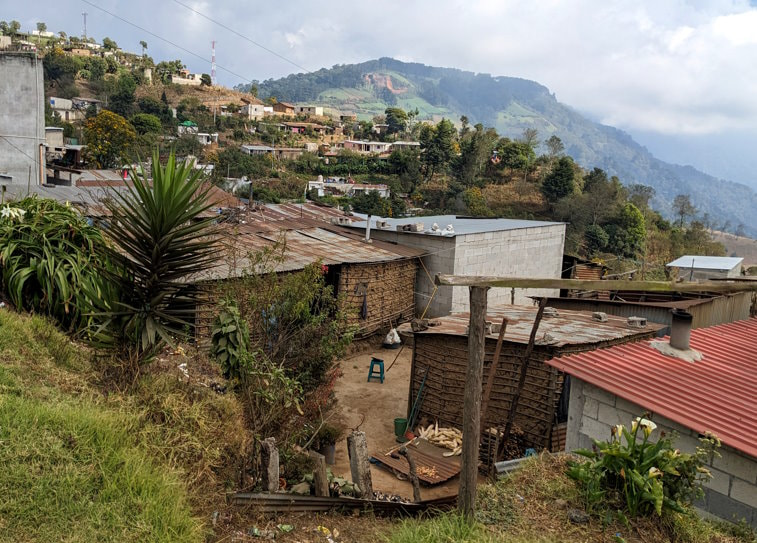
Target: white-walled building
x=309, y=110
x=692, y=267
x=499, y=247
x=254, y=111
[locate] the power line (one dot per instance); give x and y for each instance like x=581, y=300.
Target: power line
x=19, y=150
x=153, y=34
x=263, y=47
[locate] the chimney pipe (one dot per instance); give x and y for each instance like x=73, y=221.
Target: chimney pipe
x=680, y=329
x=368, y=230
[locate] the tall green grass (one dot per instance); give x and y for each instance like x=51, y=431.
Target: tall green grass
x=71, y=466
x=444, y=528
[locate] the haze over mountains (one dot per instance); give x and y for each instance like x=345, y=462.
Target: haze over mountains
x=511, y=105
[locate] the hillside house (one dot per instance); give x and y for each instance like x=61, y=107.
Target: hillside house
x=683, y=393
x=468, y=246
x=186, y=78
x=406, y=145
x=207, y=139
x=283, y=108
x=5, y=42
x=65, y=109
x=360, y=146
x=442, y=351
x=253, y=111
x=338, y=187
x=375, y=280
x=302, y=128
x=256, y=149
x=692, y=267
x=187, y=127
x=309, y=110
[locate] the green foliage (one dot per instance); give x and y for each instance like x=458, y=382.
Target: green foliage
x=160, y=241
x=205, y=80
x=230, y=340
x=627, y=232
x=48, y=256
x=596, y=239
x=438, y=145
x=440, y=529
x=122, y=100
x=77, y=468
x=294, y=318
x=145, y=123
x=397, y=119
x=475, y=203
x=109, y=44
x=370, y=203
x=642, y=476
x=561, y=181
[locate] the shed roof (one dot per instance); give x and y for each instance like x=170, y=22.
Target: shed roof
x=716, y=394
x=706, y=262
x=461, y=225
x=566, y=329
x=306, y=241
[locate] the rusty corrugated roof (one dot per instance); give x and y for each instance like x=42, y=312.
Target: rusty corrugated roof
x=718, y=394
x=307, y=241
x=567, y=328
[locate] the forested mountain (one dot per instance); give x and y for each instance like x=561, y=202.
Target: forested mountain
x=511, y=105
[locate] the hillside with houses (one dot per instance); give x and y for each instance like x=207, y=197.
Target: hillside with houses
x=272, y=313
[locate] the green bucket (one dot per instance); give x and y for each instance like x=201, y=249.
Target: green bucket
x=400, y=425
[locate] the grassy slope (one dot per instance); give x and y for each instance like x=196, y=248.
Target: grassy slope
x=80, y=467
x=525, y=508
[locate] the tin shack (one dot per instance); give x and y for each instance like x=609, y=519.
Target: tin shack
x=441, y=356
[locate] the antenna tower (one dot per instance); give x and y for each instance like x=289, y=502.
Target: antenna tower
x=213, y=63
x=84, y=15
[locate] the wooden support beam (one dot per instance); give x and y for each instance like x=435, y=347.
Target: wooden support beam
x=492, y=371
x=581, y=284
x=523, y=371
x=360, y=465
x=466, y=501
x=320, y=478
x=413, y=473
x=269, y=461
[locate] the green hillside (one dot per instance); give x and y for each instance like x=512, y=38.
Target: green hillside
x=511, y=105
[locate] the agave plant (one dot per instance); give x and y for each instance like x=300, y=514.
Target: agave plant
x=159, y=240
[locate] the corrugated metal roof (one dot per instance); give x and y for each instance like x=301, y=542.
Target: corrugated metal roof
x=567, y=328
x=706, y=262
x=307, y=241
x=461, y=225
x=716, y=394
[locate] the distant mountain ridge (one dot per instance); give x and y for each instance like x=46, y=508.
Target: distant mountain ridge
x=510, y=105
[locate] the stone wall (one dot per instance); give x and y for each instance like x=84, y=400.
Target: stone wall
x=22, y=117
x=732, y=492
x=534, y=252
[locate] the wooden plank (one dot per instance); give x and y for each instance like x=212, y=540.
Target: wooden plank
x=320, y=478
x=472, y=404
x=523, y=371
x=493, y=370
x=581, y=284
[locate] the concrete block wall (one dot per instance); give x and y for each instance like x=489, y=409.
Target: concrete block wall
x=525, y=252
x=732, y=492
x=22, y=117
x=441, y=259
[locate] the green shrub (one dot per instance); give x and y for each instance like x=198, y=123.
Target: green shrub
x=643, y=476
x=230, y=340
x=50, y=257
x=444, y=528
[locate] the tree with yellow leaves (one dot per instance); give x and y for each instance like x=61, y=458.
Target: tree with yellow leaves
x=109, y=139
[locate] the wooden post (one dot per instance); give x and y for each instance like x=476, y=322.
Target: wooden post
x=523, y=371
x=466, y=501
x=360, y=465
x=269, y=460
x=492, y=372
x=320, y=479
x=413, y=474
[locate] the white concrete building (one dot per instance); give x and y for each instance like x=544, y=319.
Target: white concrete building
x=361, y=146
x=691, y=267
x=501, y=247
x=254, y=111
x=309, y=110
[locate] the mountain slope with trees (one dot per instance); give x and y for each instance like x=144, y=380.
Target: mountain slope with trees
x=512, y=105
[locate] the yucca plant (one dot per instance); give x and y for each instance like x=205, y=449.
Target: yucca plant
x=160, y=241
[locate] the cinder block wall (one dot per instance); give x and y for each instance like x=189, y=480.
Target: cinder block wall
x=732, y=492
x=534, y=252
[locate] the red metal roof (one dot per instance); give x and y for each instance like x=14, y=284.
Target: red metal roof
x=717, y=394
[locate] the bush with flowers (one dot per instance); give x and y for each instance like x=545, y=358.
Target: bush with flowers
x=641, y=475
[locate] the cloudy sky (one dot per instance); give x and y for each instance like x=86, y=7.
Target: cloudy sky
x=668, y=70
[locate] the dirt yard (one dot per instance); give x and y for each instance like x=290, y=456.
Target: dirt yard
x=378, y=404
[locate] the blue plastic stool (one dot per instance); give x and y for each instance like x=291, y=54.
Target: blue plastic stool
x=376, y=373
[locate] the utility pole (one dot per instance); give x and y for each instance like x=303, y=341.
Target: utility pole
x=213, y=62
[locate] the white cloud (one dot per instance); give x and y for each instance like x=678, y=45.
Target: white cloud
x=677, y=67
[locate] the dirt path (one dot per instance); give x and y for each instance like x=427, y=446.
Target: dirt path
x=380, y=404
